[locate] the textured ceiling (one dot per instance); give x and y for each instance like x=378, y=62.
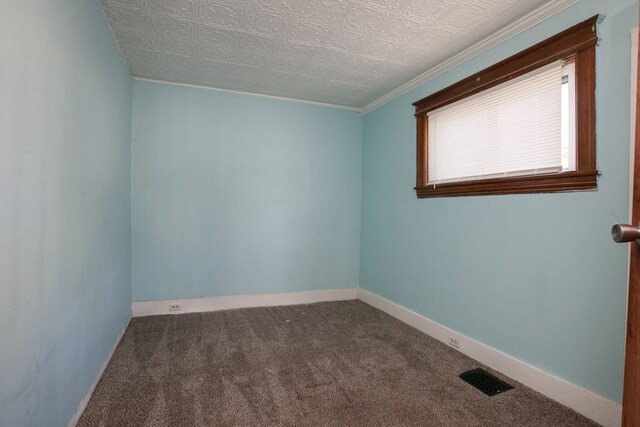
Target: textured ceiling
x=344, y=52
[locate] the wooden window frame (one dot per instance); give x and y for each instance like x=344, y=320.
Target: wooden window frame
x=579, y=42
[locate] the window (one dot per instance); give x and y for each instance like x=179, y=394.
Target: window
x=524, y=125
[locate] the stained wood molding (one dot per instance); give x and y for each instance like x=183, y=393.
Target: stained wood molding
x=577, y=43
x=521, y=25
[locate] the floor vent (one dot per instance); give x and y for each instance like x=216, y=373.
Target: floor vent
x=485, y=382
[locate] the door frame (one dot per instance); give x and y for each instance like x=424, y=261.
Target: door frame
x=631, y=392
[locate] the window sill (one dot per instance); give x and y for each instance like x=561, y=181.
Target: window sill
x=552, y=183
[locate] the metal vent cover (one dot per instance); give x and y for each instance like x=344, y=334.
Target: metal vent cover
x=485, y=382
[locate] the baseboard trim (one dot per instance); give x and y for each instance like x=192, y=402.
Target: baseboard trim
x=597, y=408
x=83, y=404
x=196, y=305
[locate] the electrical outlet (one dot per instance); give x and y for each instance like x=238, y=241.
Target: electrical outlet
x=453, y=342
x=175, y=307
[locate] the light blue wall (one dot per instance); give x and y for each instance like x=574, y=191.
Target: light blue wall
x=536, y=276
x=65, y=269
x=237, y=194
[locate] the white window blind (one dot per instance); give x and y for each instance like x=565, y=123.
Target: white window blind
x=512, y=129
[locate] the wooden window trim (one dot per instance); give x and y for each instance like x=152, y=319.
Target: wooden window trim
x=578, y=41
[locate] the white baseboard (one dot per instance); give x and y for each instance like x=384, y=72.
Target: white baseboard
x=83, y=404
x=195, y=305
x=597, y=408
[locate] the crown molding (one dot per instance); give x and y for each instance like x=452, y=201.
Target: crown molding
x=239, y=92
x=517, y=27
x=529, y=20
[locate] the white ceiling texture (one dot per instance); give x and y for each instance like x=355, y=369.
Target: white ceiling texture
x=342, y=52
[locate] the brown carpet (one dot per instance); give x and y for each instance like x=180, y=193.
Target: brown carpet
x=326, y=364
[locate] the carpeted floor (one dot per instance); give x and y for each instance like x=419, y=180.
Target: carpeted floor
x=326, y=364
